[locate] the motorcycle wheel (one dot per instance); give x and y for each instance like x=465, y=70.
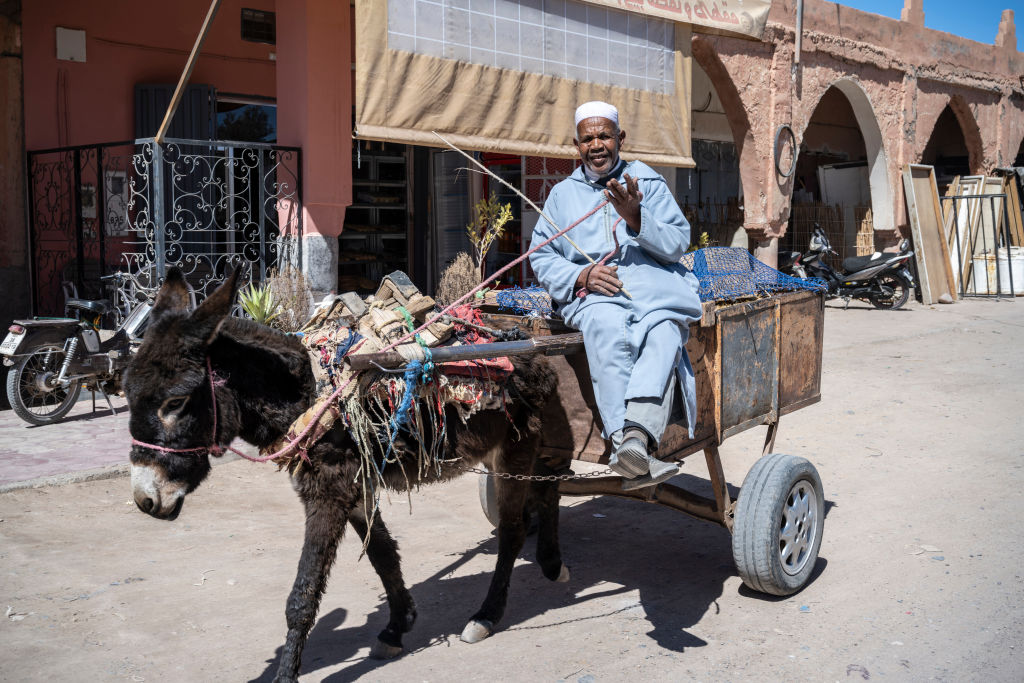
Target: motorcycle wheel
x=28, y=392
x=900, y=291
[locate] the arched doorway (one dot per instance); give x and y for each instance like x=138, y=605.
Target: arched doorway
x=1019, y=161
x=946, y=149
x=954, y=146
x=841, y=179
x=712, y=194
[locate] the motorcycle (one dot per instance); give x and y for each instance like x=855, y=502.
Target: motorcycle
x=52, y=358
x=881, y=279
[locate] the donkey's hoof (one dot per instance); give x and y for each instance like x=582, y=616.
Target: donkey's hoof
x=476, y=631
x=563, y=576
x=382, y=650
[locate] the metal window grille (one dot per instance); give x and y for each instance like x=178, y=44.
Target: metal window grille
x=259, y=26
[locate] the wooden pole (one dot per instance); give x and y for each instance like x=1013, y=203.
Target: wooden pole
x=187, y=73
x=552, y=345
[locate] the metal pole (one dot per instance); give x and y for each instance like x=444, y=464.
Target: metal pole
x=101, y=209
x=32, y=265
x=301, y=212
x=959, y=248
x=995, y=245
x=799, y=36
x=229, y=223
x=187, y=73
x=76, y=194
x=262, y=213
x=1009, y=246
x=159, y=237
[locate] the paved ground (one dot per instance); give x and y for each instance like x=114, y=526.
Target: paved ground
x=88, y=444
x=918, y=441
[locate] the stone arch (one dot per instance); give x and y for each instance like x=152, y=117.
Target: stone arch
x=882, y=204
x=968, y=127
x=705, y=55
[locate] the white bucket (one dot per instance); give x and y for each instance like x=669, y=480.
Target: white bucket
x=984, y=277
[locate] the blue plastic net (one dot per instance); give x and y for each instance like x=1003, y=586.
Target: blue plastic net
x=731, y=273
x=532, y=300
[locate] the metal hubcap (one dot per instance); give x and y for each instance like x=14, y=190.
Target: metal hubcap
x=798, y=528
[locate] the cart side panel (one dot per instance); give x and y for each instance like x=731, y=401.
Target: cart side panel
x=802, y=322
x=572, y=424
x=749, y=366
x=702, y=347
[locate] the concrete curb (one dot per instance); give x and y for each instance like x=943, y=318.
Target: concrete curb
x=96, y=474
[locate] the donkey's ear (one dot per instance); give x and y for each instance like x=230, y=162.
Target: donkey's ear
x=173, y=295
x=211, y=313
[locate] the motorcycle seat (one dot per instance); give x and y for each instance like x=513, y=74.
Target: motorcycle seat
x=94, y=307
x=854, y=263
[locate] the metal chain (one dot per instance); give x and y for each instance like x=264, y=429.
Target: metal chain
x=539, y=477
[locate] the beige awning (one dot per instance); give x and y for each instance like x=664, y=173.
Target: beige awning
x=746, y=17
x=424, y=67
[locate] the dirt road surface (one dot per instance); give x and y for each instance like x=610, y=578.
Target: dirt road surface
x=918, y=442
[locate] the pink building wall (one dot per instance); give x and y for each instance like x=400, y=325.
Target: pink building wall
x=128, y=43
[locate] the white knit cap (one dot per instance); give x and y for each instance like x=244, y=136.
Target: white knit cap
x=589, y=110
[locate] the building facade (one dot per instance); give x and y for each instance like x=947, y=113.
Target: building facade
x=780, y=129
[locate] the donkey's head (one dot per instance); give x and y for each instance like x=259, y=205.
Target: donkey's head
x=170, y=396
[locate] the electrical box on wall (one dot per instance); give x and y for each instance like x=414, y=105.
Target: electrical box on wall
x=70, y=44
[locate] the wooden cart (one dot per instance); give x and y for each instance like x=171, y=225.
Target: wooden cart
x=754, y=362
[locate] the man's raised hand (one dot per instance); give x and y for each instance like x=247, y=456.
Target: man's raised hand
x=626, y=200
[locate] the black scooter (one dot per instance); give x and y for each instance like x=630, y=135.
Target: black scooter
x=881, y=279
x=51, y=358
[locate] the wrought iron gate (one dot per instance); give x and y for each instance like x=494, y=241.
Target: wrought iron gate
x=205, y=207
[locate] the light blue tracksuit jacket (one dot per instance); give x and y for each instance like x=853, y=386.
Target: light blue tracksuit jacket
x=632, y=346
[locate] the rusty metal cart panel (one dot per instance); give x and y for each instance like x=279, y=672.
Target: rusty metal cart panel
x=752, y=361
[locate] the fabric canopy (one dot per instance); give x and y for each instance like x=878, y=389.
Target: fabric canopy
x=746, y=17
x=509, y=79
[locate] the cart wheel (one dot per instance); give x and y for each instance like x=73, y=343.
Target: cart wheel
x=489, y=498
x=489, y=504
x=778, y=524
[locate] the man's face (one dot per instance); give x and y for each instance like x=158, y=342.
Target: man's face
x=598, y=140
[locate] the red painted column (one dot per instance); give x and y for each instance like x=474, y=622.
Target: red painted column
x=314, y=111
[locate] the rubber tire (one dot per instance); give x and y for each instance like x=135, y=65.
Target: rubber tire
x=489, y=498
x=758, y=517
x=898, y=280
x=17, y=402
x=488, y=491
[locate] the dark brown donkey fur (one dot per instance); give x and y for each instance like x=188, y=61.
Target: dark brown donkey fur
x=264, y=382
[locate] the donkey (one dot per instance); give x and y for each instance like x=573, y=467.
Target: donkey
x=201, y=378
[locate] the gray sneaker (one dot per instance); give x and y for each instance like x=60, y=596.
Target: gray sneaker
x=630, y=459
x=659, y=471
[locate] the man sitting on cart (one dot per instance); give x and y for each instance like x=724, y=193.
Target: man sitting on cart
x=635, y=342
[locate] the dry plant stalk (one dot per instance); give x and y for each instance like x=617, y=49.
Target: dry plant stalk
x=458, y=278
x=293, y=297
x=487, y=227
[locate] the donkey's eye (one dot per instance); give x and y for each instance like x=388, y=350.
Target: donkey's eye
x=173, y=406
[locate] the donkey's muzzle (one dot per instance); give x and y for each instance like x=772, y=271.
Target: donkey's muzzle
x=154, y=494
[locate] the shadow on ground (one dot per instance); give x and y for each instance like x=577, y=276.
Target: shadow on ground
x=676, y=564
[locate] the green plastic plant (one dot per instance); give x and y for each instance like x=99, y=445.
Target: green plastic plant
x=258, y=303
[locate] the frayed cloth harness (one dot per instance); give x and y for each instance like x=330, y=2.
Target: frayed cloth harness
x=216, y=449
